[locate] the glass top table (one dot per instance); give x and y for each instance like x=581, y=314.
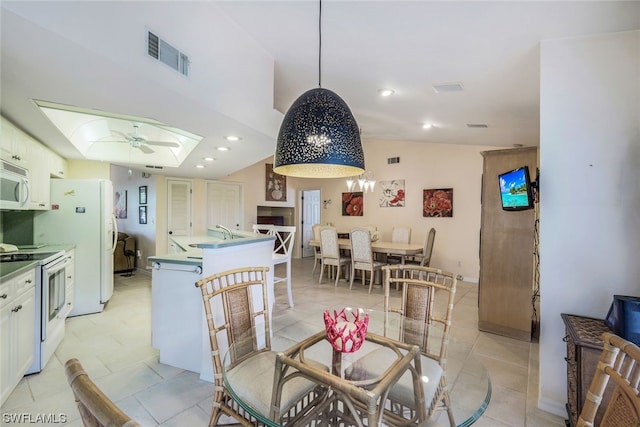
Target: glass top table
x=385, y=349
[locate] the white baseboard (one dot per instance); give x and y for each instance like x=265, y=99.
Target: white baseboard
x=553, y=406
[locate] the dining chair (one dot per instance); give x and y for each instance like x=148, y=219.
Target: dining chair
x=362, y=256
x=236, y=305
x=399, y=234
x=96, y=409
x=263, y=229
x=317, y=255
x=331, y=252
x=427, y=298
x=619, y=363
x=424, y=259
x=285, y=238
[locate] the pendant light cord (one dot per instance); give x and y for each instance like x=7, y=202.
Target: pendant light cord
x=320, y=45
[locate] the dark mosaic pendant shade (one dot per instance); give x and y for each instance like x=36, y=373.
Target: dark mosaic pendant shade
x=319, y=138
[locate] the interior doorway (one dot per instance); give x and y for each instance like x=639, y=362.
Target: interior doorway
x=310, y=216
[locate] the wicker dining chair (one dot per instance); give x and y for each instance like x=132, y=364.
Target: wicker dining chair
x=427, y=298
x=236, y=307
x=362, y=256
x=96, y=409
x=620, y=363
x=331, y=252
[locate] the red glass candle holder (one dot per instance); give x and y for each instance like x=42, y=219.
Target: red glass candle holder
x=346, y=335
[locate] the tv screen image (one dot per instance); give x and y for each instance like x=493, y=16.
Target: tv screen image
x=515, y=189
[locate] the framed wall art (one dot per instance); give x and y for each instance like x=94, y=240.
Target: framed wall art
x=142, y=194
x=352, y=204
x=142, y=214
x=120, y=204
x=437, y=202
x=276, y=185
x=392, y=193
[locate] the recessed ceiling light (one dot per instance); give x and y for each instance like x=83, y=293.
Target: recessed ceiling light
x=222, y=148
x=232, y=138
x=208, y=159
x=200, y=166
x=427, y=126
x=386, y=92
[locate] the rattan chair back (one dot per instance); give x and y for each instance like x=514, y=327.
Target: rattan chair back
x=95, y=408
x=235, y=302
x=619, y=363
x=427, y=298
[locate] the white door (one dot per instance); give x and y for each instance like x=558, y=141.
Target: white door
x=310, y=217
x=179, y=209
x=224, y=205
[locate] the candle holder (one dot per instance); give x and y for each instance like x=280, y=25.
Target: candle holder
x=346, y=335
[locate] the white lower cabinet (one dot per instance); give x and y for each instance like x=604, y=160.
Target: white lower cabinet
x=17, y=330
x=70, y=270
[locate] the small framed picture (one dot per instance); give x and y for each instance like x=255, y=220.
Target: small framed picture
x=142, y=194
x=142, y=214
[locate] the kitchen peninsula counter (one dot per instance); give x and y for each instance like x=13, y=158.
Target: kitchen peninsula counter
x=178, y=325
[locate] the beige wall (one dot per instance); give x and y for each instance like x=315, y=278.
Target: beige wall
x=422, y=166
x=88, y=169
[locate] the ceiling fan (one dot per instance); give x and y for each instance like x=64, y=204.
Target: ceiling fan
x=138, y=140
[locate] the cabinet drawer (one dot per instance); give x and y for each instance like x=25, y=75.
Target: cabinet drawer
x=70, y=269
x=24, y=282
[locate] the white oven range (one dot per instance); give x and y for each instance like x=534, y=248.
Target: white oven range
x=50, y=305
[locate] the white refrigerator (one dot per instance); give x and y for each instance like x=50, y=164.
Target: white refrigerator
x=81, y=214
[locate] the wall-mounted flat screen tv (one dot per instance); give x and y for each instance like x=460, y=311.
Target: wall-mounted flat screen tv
x=515, y=189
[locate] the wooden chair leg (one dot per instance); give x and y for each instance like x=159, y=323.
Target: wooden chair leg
x=353, y=273
x=321, y=272
x=289, y=293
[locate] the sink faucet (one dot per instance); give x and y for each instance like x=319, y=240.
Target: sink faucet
x=224, y=236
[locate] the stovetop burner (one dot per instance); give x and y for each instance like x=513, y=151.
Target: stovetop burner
x=15, y=257
x=28, y=256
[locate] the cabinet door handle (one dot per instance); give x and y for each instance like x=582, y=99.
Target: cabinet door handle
x=566, y=338
x=17, y=309
x=28, y=281
x=4, y=296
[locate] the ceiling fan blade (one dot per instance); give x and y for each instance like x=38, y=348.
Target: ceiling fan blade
x=145, y=149
x=163, y=143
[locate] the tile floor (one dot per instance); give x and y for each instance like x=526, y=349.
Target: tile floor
x=114, y=347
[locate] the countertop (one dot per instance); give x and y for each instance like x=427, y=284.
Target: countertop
x=193, y=245
x=9, y=270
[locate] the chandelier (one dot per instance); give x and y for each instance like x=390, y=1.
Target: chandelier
x=319, y=137
x=366, y=182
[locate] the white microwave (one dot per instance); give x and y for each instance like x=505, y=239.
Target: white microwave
x=14, y=186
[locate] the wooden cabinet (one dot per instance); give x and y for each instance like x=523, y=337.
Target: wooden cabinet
x=17, y=330
x=39, y=187
x=506, y=251
x=14, y=144
x=584, y=347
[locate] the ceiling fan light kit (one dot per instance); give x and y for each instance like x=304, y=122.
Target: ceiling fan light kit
x=319, y=137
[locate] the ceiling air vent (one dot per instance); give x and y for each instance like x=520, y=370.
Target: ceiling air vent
x=153, y=167
x=447, y=87
x=169, y=55
x=477, y=125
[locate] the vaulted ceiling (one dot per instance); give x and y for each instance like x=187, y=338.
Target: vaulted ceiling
x=249, y=60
